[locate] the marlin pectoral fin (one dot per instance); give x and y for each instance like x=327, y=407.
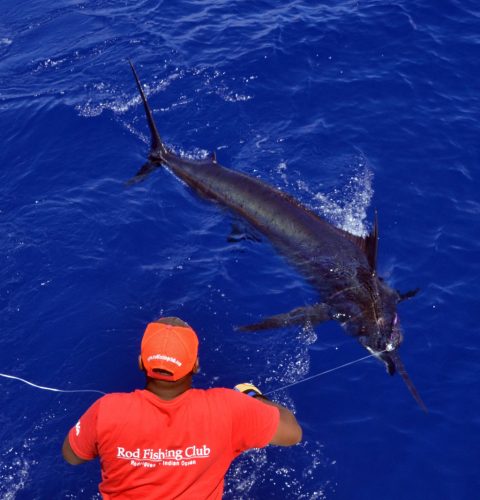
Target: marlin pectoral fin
x=144, y=171
x=241, y=233
x=403, y=372
x=313, y=314
x=407, y=295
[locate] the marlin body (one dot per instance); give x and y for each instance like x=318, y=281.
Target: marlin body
x=341, y=266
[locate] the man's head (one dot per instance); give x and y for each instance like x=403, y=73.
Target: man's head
x=169, y=350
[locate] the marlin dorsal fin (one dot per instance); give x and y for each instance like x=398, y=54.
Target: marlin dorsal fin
x=368, y=244
x=371, y=244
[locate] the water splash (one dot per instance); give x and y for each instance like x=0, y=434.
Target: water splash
x=266, y=469
x=14, y=472
x=347, y=207
x=120, y=103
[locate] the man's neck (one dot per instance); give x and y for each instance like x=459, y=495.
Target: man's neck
x=168, y=390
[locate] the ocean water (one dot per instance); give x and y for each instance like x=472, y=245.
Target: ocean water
x=349, y=106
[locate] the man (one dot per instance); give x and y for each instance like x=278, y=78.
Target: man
x=169, y=440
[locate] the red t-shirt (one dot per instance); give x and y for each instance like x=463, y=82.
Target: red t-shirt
x=150, y=448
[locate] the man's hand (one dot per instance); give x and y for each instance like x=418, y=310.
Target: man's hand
x=249, y=390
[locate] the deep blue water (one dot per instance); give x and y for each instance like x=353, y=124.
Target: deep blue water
x=347, y=105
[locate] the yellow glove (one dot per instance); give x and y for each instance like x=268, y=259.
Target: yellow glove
x=249, y=390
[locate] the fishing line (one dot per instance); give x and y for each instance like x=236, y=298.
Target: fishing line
x=53, y=389
x=48, y=388
x=323, y=373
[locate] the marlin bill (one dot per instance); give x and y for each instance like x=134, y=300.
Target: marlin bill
x=341, y=266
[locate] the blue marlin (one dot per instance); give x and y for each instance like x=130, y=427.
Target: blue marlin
x=340, y=265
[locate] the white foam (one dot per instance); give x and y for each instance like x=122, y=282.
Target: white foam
x=14, y=470
x=120, y=104
x=231, y=96
x=346, y=207
x=50, y=63
x=256, y=466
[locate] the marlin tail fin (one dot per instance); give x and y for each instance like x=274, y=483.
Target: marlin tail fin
x=158, y=150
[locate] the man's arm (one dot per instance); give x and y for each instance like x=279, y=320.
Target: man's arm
x=80, y=444
x=288, y=431
x=69, y=454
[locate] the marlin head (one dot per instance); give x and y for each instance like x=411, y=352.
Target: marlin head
x=382, y=338
x=384, y=345
x=376, y=324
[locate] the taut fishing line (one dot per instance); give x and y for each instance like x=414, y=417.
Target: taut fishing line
x=322, y=373
x=48, y=388
x=52, y=389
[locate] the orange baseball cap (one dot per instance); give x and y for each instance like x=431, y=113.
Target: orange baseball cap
x=170, y=348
